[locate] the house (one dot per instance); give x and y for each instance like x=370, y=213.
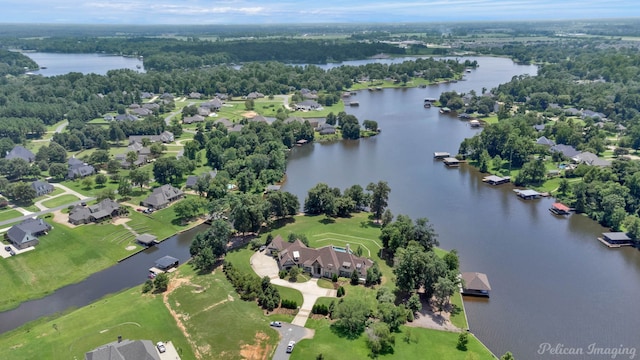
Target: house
x=193, y=119
x=106, y=208
x=162, y=196
x=307, y=105
x=126, y=117
x=539, y=127
x=236, y=128
x=167, y=97
x=593, y=114
x=213, y=105
x=195, y=95
x=41, y=187
x=258, y=118
x=271, y=188
x=566, y=150
x=475, y=283
x=124, y=350
x=615, y=239
x=322, y=262
x=20, y=152
x=542, y=140
x=589, y=158
x=151, y=106
x=573, y=112
x=26, y=233
x=79, y=169
x=108, y=117
x=255, y=95
x=146, y=95
x=326, y=129
x=193, y=179
x=224, y=121
x=141, y=112
x=164, y=137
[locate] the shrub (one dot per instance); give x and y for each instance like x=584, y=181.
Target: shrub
x=340, y=292
x=462, y=341
x=355, y=278
x=320, y=309
x=334, y=278
x=282, y=274
x=147, y=287
x=289, y=304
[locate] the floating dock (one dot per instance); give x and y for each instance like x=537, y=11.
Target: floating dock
x=451, y=162
x=496, y=180
x=560, y=209
x=441, y=155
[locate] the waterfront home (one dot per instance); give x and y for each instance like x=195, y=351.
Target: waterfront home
x=441, y=155
x=326, y=129
x=475, y=284
x=162, y=196
x=589, y=158
x=566, y=150
x=307, y=105
x=322, y=262
x=559, y=209
x=25, y=234
x=192, y=180
x=451, y=161
x=615, y=239
x=124, y=350
x=528, y=194
x=496, y=180
x=20, y=152
x=103, y=210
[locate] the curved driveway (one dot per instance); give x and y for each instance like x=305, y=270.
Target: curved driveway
x=265, y=265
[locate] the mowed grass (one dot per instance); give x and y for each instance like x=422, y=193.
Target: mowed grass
x=8, y=214
x=129, y=314
x=60, y=200
x=220, y=325
x=410, y=343
x=64, y=256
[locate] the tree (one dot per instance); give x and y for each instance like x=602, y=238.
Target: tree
x=463, y=340
x=387, y=218
x=204, y=260
x=101, y=179
x=379, y=198
x=139, y=177
x=248, y=212
x=293, y=273
x=352, y=314
x=484, y=162
x=282, y=204
x=356, y=193
x=451, y=259
x=161, y=282
x=380, y=339
x=374, y=275
x=21, y=192
x=507, y=356
x=168, y=169
x=124, y=187
x=156, y=149
x=190, y=208
x=320, y=200
x=191, y=148
x=249, y=104
x=370, y=125
x=355, y=278
x=533, y=172
x=106, y=194
x=132, y=157
x=215, y=238
x=87, y=183
x=632, y=224
x=424, y=234
x=414, y=304
x=443, y=290
x=58, y=171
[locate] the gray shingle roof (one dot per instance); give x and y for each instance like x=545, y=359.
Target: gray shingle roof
x=20, y=152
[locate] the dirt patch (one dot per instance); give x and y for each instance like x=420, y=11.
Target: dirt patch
x=61, y=218
x=175, y=283
x=259, y=350
x=429, y=318
x=249, y=114
x=130, y=248
x=282, y=311
x=120, y=221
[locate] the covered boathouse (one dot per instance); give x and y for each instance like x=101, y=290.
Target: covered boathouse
x=615, y=239
x=475, y=284
x=528, y=194
x=560, y=209
x=496, y=180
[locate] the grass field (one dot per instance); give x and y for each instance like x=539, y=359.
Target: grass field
x=70, y=336
x=8, y=214
x=64, y=256
x=411, y=343
x=60, y=200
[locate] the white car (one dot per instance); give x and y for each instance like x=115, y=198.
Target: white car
x=161, y=347
x=276, y=324
x=290, y=346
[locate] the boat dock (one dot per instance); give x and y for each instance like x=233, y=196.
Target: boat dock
x=615, y=239
x=559, y=209
x=475, y=284
x=451, y=162
x=528, y=194
x=496, y=180
x=441, y=155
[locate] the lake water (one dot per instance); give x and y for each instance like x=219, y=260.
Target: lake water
x=552, y=281
x=60, y=64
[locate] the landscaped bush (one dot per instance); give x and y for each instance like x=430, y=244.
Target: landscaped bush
x=250, y=287
x=147, y=287
x=340, y=292
x=334, y=278
x=282, y=274
x=320, y=309
x=289, y=304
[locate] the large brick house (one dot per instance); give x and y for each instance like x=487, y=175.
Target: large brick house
x=321, y=262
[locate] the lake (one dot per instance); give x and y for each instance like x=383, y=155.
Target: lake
x=60, y=64
x=552, y=281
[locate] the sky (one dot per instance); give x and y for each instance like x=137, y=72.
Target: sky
x=202, y=12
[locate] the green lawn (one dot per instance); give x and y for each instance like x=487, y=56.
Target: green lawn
x=60, y=200
x=70, y=336
x=411, y=343
x=457, y=315
x=64, y=256
x=161, y=223
x=8, y=214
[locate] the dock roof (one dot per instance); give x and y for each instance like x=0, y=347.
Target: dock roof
x=561, y=206
x=166, y=261
x=476, y=281
x=616, y=236
x=528, y=192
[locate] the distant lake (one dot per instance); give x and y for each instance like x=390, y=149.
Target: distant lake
x=60, y=64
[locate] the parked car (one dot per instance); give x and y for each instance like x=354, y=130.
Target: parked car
x=11, y=252
x=7, y=248
x=161, y=347
x=290, y=346
x=276, y=324
x=262, y=248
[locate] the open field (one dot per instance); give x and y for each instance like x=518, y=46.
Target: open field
x=7, y=214
x=411, y=343
x=70, y=336
x=60, y=200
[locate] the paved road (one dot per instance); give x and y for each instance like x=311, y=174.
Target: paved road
x=167, y=119
x=289, y=332
x=285, y=100
x=265, y=265
x=61, y=127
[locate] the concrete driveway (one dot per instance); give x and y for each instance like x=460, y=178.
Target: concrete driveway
x=289, y=332
x=265, y=265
